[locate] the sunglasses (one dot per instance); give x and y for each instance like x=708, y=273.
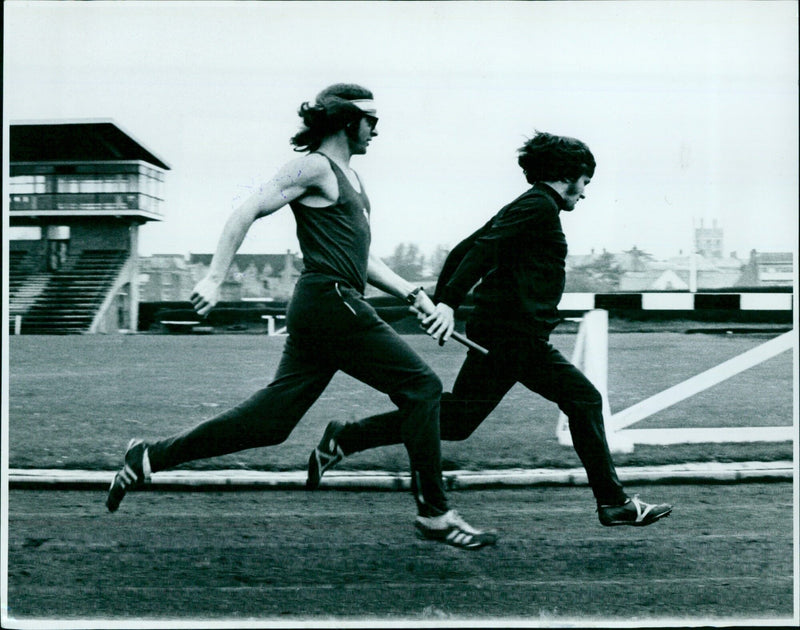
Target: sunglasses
x=372, y=121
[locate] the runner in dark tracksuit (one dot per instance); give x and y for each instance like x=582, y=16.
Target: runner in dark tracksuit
x=519, y=259
x=331, y=326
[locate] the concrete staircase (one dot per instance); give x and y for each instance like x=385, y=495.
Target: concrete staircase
x=21, y=265
x=66, y=302
x=24, y=295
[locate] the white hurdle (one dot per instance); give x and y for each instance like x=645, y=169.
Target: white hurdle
x=591, y=356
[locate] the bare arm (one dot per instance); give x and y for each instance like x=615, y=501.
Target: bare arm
x=381, y=276
x=292, y=181
x=438, y=322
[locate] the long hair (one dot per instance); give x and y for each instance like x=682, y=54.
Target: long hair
x=330, y=113
x=550, y=158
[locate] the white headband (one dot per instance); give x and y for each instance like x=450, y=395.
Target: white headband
x=366, y=105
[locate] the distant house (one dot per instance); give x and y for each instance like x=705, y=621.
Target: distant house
x=256, y=275
x=637, y=270
x=707, y=268
x=710, y=273
x=652, y=280
x=165, y=278
x=768, y=269
x=171, y=277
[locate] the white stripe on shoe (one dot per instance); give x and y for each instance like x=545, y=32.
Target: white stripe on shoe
x=147, y=471
x=641, y=515
x=459, y=537
x=128, y=476
x=453, y=530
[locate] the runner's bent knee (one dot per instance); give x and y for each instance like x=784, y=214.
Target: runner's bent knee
x=424, y=388
x=428, y=386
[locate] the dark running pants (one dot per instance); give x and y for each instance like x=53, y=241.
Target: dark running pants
x=331, y=327
x=482, y=383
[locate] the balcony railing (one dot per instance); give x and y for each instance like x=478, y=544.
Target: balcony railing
x=85, y=202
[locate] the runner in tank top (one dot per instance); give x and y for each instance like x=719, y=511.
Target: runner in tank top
x=331, y=326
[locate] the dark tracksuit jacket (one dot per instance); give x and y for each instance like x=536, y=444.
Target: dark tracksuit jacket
x=518, y=257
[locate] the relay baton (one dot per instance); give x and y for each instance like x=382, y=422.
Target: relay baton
x=463, y=339
x=470, y=344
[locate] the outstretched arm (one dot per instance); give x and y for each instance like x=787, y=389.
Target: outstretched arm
x=381, y=276
x=291, y=182
x=438, y=325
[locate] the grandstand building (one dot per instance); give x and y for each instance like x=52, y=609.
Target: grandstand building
x=78, y=193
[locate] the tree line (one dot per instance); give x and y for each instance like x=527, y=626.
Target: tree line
x=599, y=273
x=410, y=262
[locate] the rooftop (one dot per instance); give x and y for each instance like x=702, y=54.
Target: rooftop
x=276, y=262
x=76, y=141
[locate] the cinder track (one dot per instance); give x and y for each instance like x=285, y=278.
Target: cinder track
x=333, y=557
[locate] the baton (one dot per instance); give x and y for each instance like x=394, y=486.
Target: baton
x=462, y=339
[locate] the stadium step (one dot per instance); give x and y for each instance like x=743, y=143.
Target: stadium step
x=66, y=301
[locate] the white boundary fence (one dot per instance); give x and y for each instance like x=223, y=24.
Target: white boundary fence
x=271, y=329
x=591, y=356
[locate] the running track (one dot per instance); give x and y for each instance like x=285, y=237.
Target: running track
x=333, y=557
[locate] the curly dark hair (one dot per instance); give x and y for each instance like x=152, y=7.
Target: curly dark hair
x=330, y=113
x=550, y=158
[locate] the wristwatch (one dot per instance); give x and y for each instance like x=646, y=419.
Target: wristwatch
x=411, y=298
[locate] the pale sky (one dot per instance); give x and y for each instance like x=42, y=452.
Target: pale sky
x=691, y=109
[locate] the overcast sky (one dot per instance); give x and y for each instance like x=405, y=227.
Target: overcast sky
x=691, y=109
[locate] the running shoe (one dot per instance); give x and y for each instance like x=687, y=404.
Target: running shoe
x=327, y=454
x=133, y=474
x=451, y=529
x=632, y=512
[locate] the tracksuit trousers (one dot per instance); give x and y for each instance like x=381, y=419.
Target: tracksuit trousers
x=482, y=383
x=331, y=327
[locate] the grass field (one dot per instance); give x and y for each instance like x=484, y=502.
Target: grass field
x=75, y=401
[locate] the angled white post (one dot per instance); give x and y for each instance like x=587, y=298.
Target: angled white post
x=591, y=357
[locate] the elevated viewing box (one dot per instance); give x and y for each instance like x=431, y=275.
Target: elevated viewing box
x=79, y=169
x=78, y=193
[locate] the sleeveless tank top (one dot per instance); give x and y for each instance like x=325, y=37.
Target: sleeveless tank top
x=335, y=239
